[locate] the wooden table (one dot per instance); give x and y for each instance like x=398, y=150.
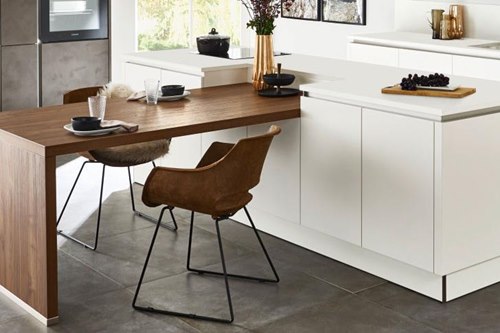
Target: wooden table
x=31, y=139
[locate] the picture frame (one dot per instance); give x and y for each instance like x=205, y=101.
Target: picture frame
x=309, y=10
x=344, y=11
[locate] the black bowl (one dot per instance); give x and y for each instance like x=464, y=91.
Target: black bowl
x=283, y=80
x=172, y=90
x=85, y=123
x=214, y=47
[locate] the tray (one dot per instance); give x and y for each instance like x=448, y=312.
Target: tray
x=458, y=93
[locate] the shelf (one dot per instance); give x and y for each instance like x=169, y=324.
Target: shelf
x=72, y=12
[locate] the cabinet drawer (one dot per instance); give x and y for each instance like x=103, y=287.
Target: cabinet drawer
x=488, y=69
x=372, y=54
x=425, y=61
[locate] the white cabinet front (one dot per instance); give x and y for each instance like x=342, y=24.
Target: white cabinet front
x=136, y=74
x=425, y=61
x=398, y=187
x=373, y=54
x=488, y=69
x=331, y=168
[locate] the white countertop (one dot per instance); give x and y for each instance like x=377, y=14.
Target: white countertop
x=424, y=42
x=344, y=81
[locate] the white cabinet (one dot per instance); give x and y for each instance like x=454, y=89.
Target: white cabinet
x=278, y=193
x=398, y=187
x=187, y=80
x=136, y=74
x=373, y=54
x=231, y=135
x=480, y=68
x=331, y=168
x=425, y=61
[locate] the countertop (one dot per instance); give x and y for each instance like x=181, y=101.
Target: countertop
x=346, y=82
x=424, y=42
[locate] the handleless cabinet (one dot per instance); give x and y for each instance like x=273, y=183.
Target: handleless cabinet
x=331, y=168
x=19, y=23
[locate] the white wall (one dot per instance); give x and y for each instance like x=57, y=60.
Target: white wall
x=481, y=20
x=122, y=35
x=330, y=39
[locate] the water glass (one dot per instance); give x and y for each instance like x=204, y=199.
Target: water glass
x=97, y=106
x=152, y=87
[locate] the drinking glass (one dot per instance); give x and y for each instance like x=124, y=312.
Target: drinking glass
x=97, y=106
x=152, y=87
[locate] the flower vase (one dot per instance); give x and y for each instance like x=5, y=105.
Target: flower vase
x=263, y=62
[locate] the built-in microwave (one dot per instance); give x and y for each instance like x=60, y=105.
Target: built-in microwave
x=70, y=20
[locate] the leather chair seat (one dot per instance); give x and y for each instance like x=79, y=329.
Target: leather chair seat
x=131, y=154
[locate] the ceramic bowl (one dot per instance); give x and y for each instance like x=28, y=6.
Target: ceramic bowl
x=85, y=123
x=283, y=80
x=172, y=90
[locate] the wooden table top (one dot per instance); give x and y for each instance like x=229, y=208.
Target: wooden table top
x=41, y=131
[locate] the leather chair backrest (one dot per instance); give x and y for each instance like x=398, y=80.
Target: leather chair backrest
x=80, y=95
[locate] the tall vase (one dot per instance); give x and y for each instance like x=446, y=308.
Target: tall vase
x=263, y=62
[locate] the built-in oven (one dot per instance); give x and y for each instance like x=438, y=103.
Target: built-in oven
x=70, y=20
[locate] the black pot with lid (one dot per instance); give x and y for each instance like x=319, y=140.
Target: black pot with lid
x=213, y=44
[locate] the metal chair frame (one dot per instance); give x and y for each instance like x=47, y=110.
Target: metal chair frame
x=200, y=271
x=136, y=212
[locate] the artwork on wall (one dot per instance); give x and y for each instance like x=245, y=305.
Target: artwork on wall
x=344, y=11
x=301, y=9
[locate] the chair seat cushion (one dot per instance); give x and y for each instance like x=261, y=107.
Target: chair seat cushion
x=132, y=154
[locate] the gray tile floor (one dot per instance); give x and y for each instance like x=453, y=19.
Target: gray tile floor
x=316, y=294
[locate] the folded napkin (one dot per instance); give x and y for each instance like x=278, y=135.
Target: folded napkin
x=136, y=96
x=129, y=127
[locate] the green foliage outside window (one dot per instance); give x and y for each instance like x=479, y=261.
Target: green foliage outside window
x=170, y=24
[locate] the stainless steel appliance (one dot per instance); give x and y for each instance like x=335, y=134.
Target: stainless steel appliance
x=70, y=20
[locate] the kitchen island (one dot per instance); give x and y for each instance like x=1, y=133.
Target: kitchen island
x=406, y=188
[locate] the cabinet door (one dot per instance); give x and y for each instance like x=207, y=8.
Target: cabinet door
x=372, y=54
x=231, y=135
x=425, y=61
x=278, y=193
x=331, y=168
x=398, y=187
x=488, y=69
x=187, y=80
x=19, y=77
x=136, y=74
x=18, y=22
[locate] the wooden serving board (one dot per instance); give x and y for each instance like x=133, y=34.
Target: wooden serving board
x=459, y=93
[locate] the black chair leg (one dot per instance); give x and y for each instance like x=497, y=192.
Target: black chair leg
x=180, y=314
x=260, y=279
x=145, y=216
x=61, y=232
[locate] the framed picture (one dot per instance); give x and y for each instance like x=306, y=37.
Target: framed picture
x=301, y=9
x=344, y=11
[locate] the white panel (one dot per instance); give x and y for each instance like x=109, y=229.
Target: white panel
x=469, y=231
x=331, y=168
x=488, y=69
x=372, y=54
x=187, y=80
x=136, y=74
x=279, y=190
x=231, y=135
x=226, y=76
x=398, y=163
x=425, y=61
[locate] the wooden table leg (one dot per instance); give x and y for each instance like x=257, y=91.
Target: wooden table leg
x=28, y=244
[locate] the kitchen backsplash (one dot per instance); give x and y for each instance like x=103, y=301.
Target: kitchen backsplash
x=481, y=20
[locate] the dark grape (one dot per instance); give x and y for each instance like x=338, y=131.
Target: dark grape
x=433, y=80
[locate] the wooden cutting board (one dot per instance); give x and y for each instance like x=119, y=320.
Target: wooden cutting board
x=459, y=93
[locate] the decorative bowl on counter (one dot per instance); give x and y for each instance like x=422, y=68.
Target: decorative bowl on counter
x=172, y=90
x=279, y=79
x=213, y=44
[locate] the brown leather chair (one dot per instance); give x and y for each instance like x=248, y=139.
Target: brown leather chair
x=219, y=186
x=121, y=156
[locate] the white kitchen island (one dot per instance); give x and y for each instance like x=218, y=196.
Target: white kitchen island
x=406, y=188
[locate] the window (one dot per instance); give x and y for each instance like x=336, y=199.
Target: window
x=170, y=24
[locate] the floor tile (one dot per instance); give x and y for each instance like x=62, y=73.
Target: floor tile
x=112, y=312
x=9, y=310
x=352, y=315
x=28, y=324
x=121, y=257
x=476, y=312
x=255, y=304
x=327, y=269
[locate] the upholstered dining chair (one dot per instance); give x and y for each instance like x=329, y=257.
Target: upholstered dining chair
x=219, y=186
x=121, y=156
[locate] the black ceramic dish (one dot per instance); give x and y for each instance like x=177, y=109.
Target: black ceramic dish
x=279, y=79
x=85, y=123
x=213, y=44
x=172, y=90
